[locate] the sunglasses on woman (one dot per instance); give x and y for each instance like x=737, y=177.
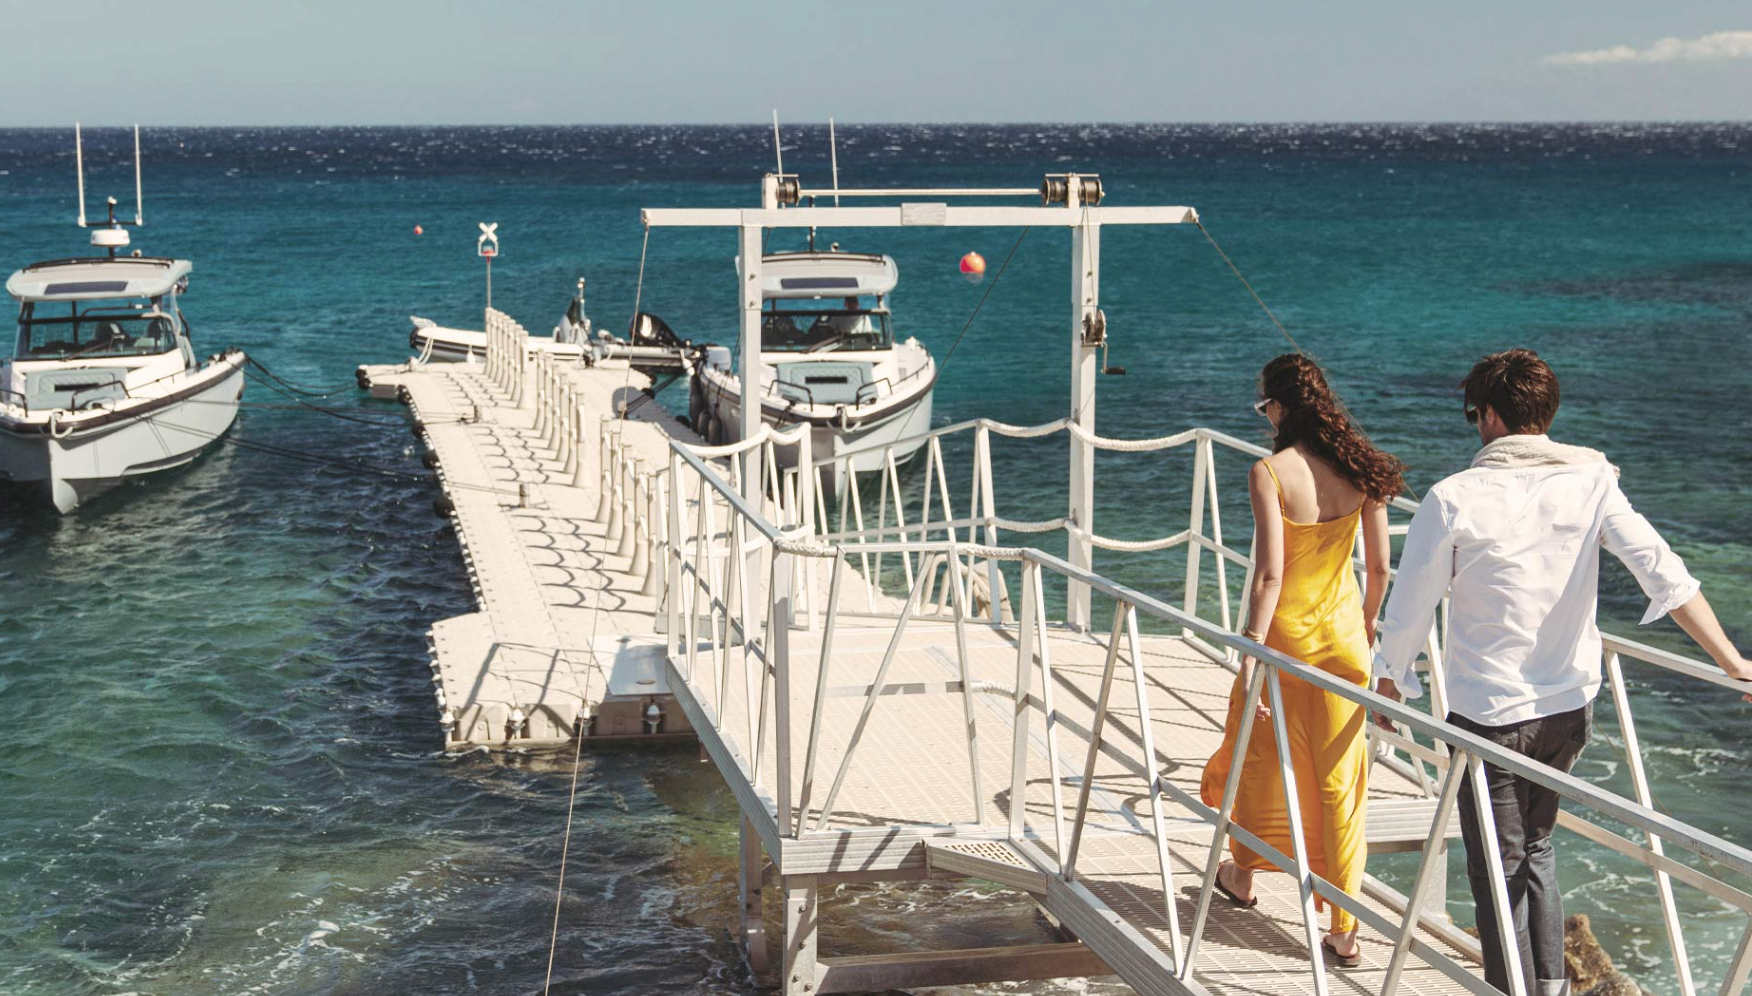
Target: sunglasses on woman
x=1259, y=406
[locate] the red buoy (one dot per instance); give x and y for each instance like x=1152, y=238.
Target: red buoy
x=973, y=266
x=418, y=230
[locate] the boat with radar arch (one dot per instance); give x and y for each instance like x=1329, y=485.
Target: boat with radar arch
x=103, y=383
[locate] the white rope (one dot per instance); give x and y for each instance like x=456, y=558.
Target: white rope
x=1126, y=546
x=1133, y=445
x=1043, y=526
x=767, y=432
x=1023, y=431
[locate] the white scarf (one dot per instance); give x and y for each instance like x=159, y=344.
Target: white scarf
x=1536, y=451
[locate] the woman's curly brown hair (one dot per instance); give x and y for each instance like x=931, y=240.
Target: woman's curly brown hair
x=1314, y=417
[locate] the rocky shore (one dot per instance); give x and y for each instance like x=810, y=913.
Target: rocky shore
x=1589, y=967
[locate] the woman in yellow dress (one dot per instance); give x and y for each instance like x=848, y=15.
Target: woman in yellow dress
x=1323, y=482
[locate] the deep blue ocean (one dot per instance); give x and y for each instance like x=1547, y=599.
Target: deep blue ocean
x=220, y=772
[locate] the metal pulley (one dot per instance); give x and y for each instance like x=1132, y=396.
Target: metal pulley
x=1095, y=328
x=1056, y=189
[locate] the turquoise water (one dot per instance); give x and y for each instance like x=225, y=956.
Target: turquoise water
x=221, y=773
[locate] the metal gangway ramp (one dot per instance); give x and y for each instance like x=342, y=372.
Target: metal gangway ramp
x=952, y=705
x=919, y=720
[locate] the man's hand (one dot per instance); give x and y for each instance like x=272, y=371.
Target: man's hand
x=1698, y=621
x=1738, y=667
x=1387, y=690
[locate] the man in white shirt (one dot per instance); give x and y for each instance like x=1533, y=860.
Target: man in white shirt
x=1516, y=539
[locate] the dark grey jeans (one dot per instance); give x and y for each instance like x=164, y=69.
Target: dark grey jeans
x=1525, y=816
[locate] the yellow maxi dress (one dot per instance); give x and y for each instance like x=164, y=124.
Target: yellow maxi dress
x=1319, y=620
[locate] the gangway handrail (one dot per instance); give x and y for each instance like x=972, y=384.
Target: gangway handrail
x=767, y=665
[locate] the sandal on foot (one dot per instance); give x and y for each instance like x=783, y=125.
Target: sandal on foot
x=1354, y=960
x=1245, y=904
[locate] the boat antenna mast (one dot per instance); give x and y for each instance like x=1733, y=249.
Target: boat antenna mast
x=113, y=235
x=833, y=157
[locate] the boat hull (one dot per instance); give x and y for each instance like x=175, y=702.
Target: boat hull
x=901, y=426
x=155, y=435
x=442, y=345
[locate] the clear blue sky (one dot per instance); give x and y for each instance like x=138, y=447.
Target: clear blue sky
x=547, y=61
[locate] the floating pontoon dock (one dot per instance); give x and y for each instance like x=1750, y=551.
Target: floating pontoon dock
x=894, y=699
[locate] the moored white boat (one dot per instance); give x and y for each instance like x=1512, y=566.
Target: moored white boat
x=102, y=383
x=436, y=343
x=828, y=359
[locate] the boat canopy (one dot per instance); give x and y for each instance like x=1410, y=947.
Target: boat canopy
x=825, y=275
x=86, y=279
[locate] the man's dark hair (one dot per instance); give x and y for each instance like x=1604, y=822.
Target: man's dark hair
x=1518, y=386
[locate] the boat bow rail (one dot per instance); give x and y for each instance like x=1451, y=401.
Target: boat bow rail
x=1056, y=762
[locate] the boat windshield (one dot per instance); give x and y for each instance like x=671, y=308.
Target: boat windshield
x=824, y=330
x=90, y=329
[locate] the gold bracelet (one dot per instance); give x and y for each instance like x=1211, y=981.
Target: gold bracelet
x=1251, y=635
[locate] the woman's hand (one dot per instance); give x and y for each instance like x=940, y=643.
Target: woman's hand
x=1369, y=628
x=1261, y=711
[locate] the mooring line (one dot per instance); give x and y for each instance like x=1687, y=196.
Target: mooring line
x=982, y=300
x=1237, y=271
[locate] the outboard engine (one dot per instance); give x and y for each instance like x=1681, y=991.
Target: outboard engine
x=649, y=330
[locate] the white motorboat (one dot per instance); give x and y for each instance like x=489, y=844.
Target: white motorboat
x=436, y=343
x=828, y=359
x=103, y=383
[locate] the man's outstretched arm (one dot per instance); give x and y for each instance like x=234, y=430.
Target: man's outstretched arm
x=1628, y=535
x=1698, y=621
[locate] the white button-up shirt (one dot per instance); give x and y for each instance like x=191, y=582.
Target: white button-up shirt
x=1519, y=549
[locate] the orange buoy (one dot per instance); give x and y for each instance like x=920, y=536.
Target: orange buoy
x=973, y=266
x=418, y=230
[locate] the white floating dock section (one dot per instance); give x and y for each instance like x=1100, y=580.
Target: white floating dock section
x=565, y=634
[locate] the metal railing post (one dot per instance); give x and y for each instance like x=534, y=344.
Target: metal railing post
x=673, y=563
x=1153, y=783
x=1298, y=843
x=1493, y=858
x=815, y=716
x=1195, y=527
x=1431, y=870
x=779, y=651
x=1021, y=703
x=1639, y=781
x=982, y=459
x=1068, y=863
x=1220, y=830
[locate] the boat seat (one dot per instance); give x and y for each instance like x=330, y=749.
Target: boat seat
x=823, y=383
x=46, y=390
